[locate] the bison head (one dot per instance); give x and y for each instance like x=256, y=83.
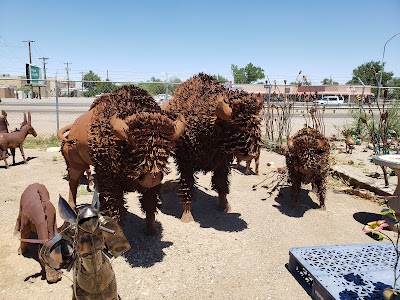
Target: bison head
x=238, y=123
x=150, y=139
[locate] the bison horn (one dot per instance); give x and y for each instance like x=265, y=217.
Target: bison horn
x=119, y=127
x=321, y=143
x=179, y=125
x=290, y=143
x=223, y=110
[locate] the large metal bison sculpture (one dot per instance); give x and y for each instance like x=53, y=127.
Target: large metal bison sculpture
x=219, y=124
x=128, y=140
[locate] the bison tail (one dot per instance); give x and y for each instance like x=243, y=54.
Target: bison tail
x=61, y=132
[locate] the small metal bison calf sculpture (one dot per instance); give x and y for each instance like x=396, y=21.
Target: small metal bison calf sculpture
x=220, y=124
x=37, y=214
x=307, y=160
x=128, y=140
x=248, y=159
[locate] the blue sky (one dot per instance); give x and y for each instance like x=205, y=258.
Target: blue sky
x=135, y=40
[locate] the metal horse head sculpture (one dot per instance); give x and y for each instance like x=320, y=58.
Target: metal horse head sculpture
x=94, y=238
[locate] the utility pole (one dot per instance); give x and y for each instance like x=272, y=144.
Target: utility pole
x=44, y=72
x=107, y=76
x=29, y=47
x=30, y=61
x=82, y=84
x=67, y=69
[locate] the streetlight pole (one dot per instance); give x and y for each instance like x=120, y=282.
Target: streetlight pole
x=383, y=56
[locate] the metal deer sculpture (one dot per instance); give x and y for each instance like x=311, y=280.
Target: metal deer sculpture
x=12, y=140
x=94, y=239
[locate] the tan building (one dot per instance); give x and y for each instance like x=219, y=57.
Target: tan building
x=290, y=91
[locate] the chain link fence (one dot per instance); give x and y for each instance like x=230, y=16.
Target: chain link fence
x=56, y=103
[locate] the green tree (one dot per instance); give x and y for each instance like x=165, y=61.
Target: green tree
x=369, y=73
x=395, y=94
x=154, y=86
x=90, y=76
x=248, y=74
x=329, y=81
x=220, y=79
x=105, y=87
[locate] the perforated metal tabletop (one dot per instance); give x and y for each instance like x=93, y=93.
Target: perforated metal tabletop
x=359, y=271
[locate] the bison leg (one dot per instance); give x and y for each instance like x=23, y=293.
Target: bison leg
x=296, y=188
x=74, y=173
x=186, y=192
x=321, y=191
x=257, y=161
x=220, y=183
x=248, y=167
x=238, y=163
x=149, y=202
x=89, y=179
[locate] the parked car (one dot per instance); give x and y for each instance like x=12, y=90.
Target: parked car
x=330, y=100
x=161, y=98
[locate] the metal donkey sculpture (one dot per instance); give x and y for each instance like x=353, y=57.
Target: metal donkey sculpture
x=86, y=245
x=12, y=140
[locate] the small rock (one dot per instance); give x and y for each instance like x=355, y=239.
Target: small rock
x=350, y=162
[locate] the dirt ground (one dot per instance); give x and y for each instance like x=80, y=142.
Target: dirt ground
x=239, y=255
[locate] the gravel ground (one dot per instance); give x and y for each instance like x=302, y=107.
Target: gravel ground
x=239, y=255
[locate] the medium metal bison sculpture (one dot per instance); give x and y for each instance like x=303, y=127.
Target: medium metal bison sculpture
x=128, y=140
x=307, y=161
x=219, y=124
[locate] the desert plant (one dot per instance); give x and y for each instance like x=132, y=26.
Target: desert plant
x=375, y=229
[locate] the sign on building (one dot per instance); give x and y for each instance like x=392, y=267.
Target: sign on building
x=33, y=74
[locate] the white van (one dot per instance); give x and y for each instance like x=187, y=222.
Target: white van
x=330, y=100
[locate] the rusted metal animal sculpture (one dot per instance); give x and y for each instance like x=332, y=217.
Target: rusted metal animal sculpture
x=307, y=160
x=12, y=140
x=128, y=140
x=37, y=214
x=248, y=159
x=220, y=124
x=95, y=238
x=3, y=122
x=349, y=141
